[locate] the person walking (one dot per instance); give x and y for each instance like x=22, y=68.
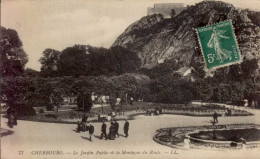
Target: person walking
x=111, y=134
x=116, y=128
x=91, y=131
x=103, y=130
x=10, y=122
x=215, y=117
x=15, y=118
x=126, y=128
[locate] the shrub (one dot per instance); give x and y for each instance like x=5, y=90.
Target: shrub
x=49, y=107
x=41, y=111
x=50, y=116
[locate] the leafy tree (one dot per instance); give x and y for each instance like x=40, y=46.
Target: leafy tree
x=31, y=73
x=49, y=62
x=56, y=97
x=84, y=101
x=13, y=90
x=43, y=91
x=13, y=84
x=48, y=92
x=65, y=85
x=84, y=86
x=13, y=57
x=171, y=89
x=249, y=69
x=15, y=94
x=125, y=61
x=74, y=61
x=85, y=60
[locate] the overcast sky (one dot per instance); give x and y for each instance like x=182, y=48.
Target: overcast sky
x=58, y=24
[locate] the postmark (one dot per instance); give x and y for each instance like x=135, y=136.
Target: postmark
x=218, y=45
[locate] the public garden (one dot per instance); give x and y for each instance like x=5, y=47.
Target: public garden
x=31, y=136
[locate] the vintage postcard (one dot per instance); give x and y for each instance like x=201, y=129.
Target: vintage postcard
x=102, y=79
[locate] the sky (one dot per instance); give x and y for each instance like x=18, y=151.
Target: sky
x=58, y=24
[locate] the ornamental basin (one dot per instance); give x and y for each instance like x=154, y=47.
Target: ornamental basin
x=226, y=138
x=235, y=135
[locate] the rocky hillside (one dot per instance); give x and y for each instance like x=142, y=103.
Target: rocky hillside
x=155, y=38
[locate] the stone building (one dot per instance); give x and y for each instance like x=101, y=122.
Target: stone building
x=166, y=9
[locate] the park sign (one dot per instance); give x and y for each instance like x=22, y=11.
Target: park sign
x=218, y=45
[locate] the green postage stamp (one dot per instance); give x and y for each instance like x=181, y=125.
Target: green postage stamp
x=218, y=45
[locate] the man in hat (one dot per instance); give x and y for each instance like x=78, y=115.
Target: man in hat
x=126, y=128
x=103, y=130
x=215, y=117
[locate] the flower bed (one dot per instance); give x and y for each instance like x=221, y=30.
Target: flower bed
x=129, y=111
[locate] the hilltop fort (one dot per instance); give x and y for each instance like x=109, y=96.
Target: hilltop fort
x=166, y=9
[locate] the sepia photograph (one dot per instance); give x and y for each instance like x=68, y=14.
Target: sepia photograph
x=130, y=79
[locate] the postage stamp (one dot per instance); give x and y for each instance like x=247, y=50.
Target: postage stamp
x=218, y=45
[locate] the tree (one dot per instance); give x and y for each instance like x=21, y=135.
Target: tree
x=12, y=54
x=74, y=61
x=14, y=94
x=84, y=86
x=13, y=84
x=48, y=92
x=85, y=60
x=171, y=89
x=84, y=101
x=31, y=73
x=65, y=85
x=49, y=62
x=249, y=69
x=123, y=60
x=13, y=90
x=43, y=91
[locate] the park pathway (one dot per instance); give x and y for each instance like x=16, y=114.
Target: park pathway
x=31, y=137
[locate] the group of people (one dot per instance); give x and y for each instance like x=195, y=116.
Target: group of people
x=113, y=129
x=86, y=126
x=152, y=112
x=227, y=112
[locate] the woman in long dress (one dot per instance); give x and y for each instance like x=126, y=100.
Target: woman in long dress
x=214, y=42
x=186, y=143
x=112, y=132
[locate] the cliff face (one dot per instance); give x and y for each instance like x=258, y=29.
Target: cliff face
x=155, y=38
